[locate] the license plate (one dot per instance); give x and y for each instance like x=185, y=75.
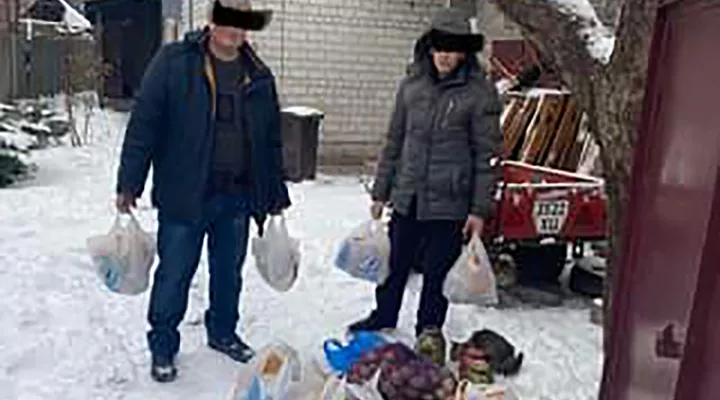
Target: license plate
x=550, y=216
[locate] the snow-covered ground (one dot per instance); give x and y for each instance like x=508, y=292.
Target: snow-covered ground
x=64, y=336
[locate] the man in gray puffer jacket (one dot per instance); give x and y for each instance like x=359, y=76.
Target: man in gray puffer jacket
x=438, y=169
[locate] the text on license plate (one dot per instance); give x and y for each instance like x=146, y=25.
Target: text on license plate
x=550, y=216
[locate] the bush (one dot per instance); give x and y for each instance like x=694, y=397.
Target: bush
x=12, y=168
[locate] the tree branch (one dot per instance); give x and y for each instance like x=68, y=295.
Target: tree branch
x=608, y=11
x=544, y=22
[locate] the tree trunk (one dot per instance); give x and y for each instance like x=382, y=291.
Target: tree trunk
x=612, y=95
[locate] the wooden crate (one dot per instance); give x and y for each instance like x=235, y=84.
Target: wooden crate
x=565, y=136
x=515, y=127
x=542, y=128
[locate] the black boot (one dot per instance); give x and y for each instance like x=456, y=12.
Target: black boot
x=370, y=324
x=233, y=347
x=163, y=369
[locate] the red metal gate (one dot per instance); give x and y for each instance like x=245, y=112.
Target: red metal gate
x=666, y=288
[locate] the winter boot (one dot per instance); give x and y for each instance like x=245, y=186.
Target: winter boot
x=163, y=369
x=370, y=324
x=233, y=347
x=431, y=344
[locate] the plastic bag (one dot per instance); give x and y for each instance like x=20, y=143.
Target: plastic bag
x=468, y=391
x=341, y=357
x=365, y=253
x=276, y=368
x=471, y=280
x=337, y=388
x=277, y=255
x=123, y=257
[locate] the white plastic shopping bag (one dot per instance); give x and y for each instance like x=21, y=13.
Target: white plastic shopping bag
x=469, y=391
x=365, y=253
x=337, y=388
x=276, y=368
x=124, y=256
x=277, y=255
x=471, y=280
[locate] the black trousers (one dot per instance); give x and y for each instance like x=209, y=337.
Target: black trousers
x=434, y=246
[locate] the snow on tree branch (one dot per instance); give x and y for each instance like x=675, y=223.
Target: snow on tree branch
x=558, y=29
x=600, y=41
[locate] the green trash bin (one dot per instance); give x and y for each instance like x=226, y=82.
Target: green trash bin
x=301, y=130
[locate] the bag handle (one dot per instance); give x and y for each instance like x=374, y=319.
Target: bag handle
x=462, y=390
x=132, y=221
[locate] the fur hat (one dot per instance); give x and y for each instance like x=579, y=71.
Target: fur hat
x=239, y=14
x=450, y=31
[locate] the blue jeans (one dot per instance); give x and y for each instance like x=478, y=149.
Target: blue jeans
x=225, y=221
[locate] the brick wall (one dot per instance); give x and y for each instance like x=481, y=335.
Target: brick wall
x=344, y=57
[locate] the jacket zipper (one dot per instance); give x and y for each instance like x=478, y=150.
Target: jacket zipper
x=428, y=152
x=448, y=110
x=247, y=87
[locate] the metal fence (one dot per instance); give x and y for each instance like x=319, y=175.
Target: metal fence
x=32, y=68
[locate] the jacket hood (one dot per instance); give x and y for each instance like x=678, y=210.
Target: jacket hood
x=196, y=36
x=422, y=60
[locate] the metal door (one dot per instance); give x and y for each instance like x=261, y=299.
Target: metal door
x=672, y=197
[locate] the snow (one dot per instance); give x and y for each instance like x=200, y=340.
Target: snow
x=16, y=140
x=599, y=39
x=65, y=337
x=74, y=19
x=6, y=107
x=540, y=92
x=36, y=127
x=302, y=111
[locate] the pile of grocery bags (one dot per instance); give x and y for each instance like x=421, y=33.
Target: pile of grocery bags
x=370, y=366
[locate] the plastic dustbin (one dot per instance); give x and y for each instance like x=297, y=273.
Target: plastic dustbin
x=301, y=129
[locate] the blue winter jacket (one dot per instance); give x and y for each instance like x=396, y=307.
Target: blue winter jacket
x=172, y=128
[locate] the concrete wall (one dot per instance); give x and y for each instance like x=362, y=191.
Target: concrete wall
x=344, y=57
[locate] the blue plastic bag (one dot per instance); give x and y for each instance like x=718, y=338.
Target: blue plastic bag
x=341, y=358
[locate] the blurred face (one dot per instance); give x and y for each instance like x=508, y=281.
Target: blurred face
x=447, y=61
x=227, y=37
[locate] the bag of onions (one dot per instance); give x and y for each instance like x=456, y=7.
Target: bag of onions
x=404, y=375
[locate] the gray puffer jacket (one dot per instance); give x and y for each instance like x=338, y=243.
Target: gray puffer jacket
x=443, y=144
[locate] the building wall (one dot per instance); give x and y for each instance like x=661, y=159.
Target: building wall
x=344, y=57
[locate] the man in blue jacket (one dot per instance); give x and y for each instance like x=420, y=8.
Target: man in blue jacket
x=207, y=119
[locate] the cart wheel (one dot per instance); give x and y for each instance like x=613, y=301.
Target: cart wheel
x=540, y=264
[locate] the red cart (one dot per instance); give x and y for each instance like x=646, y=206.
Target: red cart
x=541, y=213
x=538, y=204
